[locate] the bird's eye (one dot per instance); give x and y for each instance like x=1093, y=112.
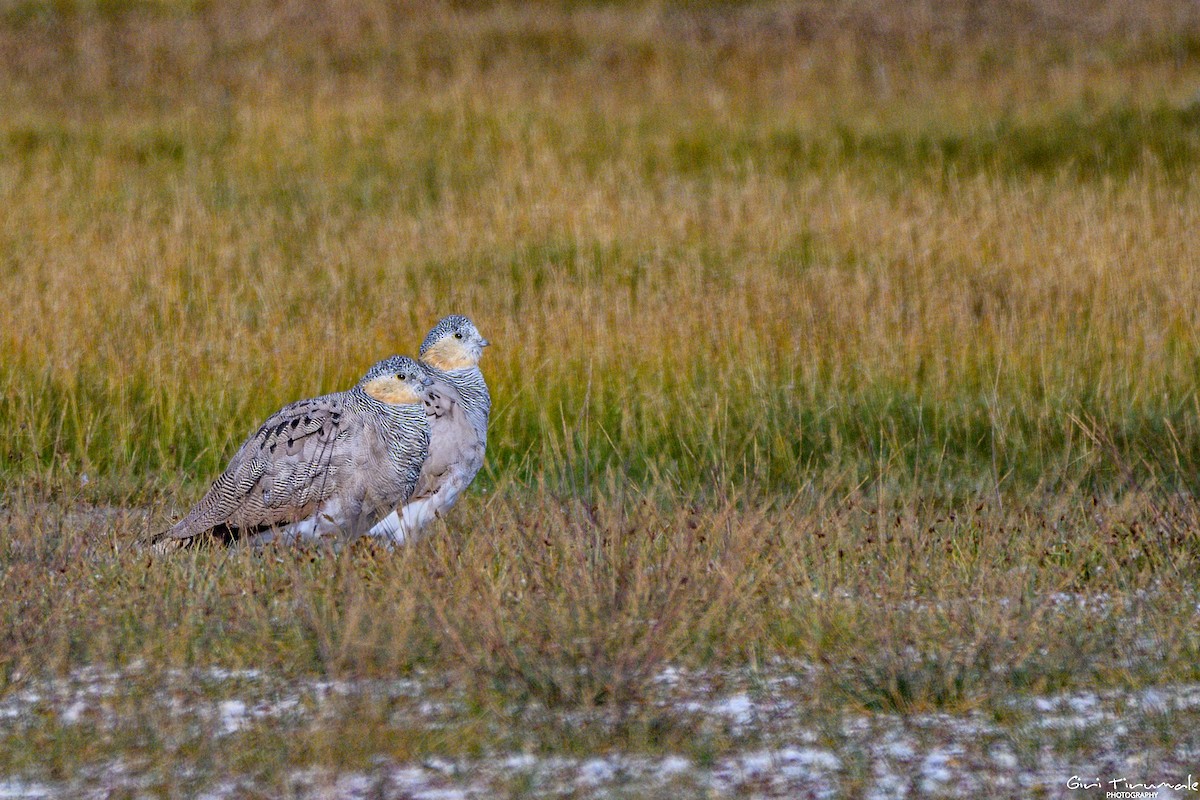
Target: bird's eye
x=458, y=336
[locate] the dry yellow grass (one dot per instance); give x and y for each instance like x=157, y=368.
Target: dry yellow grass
x=691, y=227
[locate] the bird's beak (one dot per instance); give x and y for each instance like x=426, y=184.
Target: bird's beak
x=427, y=381
x=484, y=342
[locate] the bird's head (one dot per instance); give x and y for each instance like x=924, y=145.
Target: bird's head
x=398, y=380
x=454, y=343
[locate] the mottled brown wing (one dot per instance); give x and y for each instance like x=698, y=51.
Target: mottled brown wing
x=280, y=474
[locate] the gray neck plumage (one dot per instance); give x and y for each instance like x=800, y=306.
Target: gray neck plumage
x=357, y=399
x=476, y=402
x=396, y=419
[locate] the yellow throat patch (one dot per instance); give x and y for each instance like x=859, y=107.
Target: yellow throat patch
x=392, y=391
x=449, y=353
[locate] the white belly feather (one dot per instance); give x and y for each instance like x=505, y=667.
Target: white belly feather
x=329, y=522
x=400, y=527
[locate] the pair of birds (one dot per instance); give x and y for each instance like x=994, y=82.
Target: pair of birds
x=382, y=459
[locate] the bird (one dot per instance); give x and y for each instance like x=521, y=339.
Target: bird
x=327, y=467
x=457, y=405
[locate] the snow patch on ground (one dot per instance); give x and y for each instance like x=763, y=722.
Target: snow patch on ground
x=769, y=744
x=13, y=788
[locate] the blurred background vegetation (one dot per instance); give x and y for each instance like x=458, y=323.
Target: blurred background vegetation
x=718, y=246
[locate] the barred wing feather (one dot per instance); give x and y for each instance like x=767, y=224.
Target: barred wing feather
x=280, y=474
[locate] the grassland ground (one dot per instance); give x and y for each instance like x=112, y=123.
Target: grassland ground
x=543, y=647
x=846, y=422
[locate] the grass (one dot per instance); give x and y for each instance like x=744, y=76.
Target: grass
x=846, y=346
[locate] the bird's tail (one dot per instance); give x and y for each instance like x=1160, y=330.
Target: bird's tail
x=163, y=542
x=170, y=541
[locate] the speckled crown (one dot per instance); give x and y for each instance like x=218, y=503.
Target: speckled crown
x=454, y=323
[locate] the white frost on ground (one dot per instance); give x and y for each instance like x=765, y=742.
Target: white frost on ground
x=14, y=788
x=772, y=747
x=597, y=772
x=937, y=774
x=738, y=708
